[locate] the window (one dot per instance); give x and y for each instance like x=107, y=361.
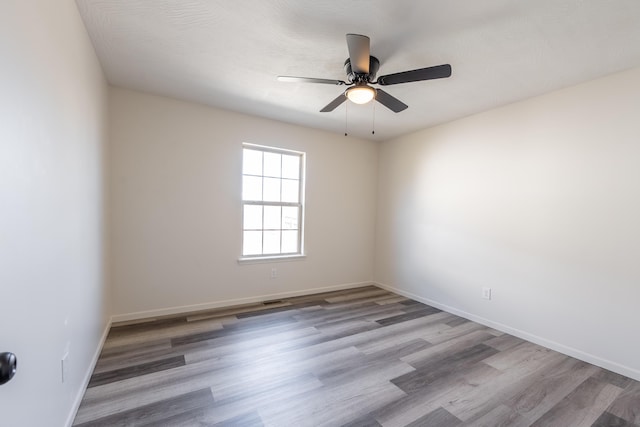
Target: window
x=272, y=201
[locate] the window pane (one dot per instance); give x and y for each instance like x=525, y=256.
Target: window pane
x=252, y=162
x=290, y=190
x=272, y=189
x=272, y=242
x=252, y=217
x=291, y=167
x=290, y=241
x=272, y=166
x=272, y=217
x=251, y=188
x=252, y=244
x=272, y=209
x=289, y=218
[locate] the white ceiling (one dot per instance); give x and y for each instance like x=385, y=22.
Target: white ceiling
x=227, y=54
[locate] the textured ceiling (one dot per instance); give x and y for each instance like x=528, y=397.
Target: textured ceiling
x=227, y=54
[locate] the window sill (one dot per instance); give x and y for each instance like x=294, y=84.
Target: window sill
x=265, y=259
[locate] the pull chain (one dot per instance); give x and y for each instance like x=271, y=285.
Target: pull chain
x=373, y=121
x=346, y=108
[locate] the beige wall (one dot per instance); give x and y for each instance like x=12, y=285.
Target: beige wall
x=176, y=212
x=538, y=200
x=53, y=105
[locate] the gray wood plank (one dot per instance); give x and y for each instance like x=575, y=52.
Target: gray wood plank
x=499, y=416
x=135, y=371
x=582, y=407
x=429, y=372
x=607, y=419
x=154, y=413
x=439, y=417
x=627, y=405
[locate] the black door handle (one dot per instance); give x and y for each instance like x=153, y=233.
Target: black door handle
x=8, y=366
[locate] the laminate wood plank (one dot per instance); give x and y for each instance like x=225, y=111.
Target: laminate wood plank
x=516, y=355
x=391, y=299
x=266, y=309
x=199, y=417
x=230, y=313
x=347, y=328
x=323, y=295
x=173, y=331
x=439, y=417
x=375, y=298
x=500, y=416
x=457, y=321
x=493, y=390
x=412, y=407
x=237, y=405
x=251, y=348
x=612, y=378
x=136, y=371
x=365, y=421
x=452, y=346
x=410, y=302
x=146, y=325
x=457, y=331
x=414, y=382
x=504, y=342
x=331, y=312
x=141, y=347
x=542, y=390
x=607, y=419
x=224, y=319
x=582, y=407
x=233, y=332
x=381, y=370
x=362, y=312
x=344, y=404
x=375, y=292
x=128, y=394
x=371, y=340
x=383, y=315
x=250, y=419
x=409, y=316
x=398, y=351
x=156, y=412
x=627, y=405
x=238, y=392
x=528, y=396
x=114, y=363
x=395, y=337
x=317, y=298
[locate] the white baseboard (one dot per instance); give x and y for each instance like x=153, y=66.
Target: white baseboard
x=569, y=351
x=87, y=375
x=230, y=302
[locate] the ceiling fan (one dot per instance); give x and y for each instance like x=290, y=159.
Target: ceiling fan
x=361, y=69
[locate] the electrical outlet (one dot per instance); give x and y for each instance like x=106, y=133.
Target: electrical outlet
x=486, y=293
x=274, y=273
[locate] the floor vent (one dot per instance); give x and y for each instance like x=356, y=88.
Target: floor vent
x=272, y=301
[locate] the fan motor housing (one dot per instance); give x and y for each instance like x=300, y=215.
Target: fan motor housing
x=374, y=65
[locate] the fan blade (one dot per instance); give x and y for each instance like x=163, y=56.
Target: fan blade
x=291, y=79
x=358, y=53
x=391, y=102
x=429, y=73
x=334, y=104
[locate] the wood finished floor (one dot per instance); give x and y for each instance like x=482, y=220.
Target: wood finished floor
x=360, y=357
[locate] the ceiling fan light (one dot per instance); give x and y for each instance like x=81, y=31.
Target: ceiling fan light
x=360, y=94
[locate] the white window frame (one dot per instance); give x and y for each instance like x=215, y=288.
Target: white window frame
x=300, y=205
